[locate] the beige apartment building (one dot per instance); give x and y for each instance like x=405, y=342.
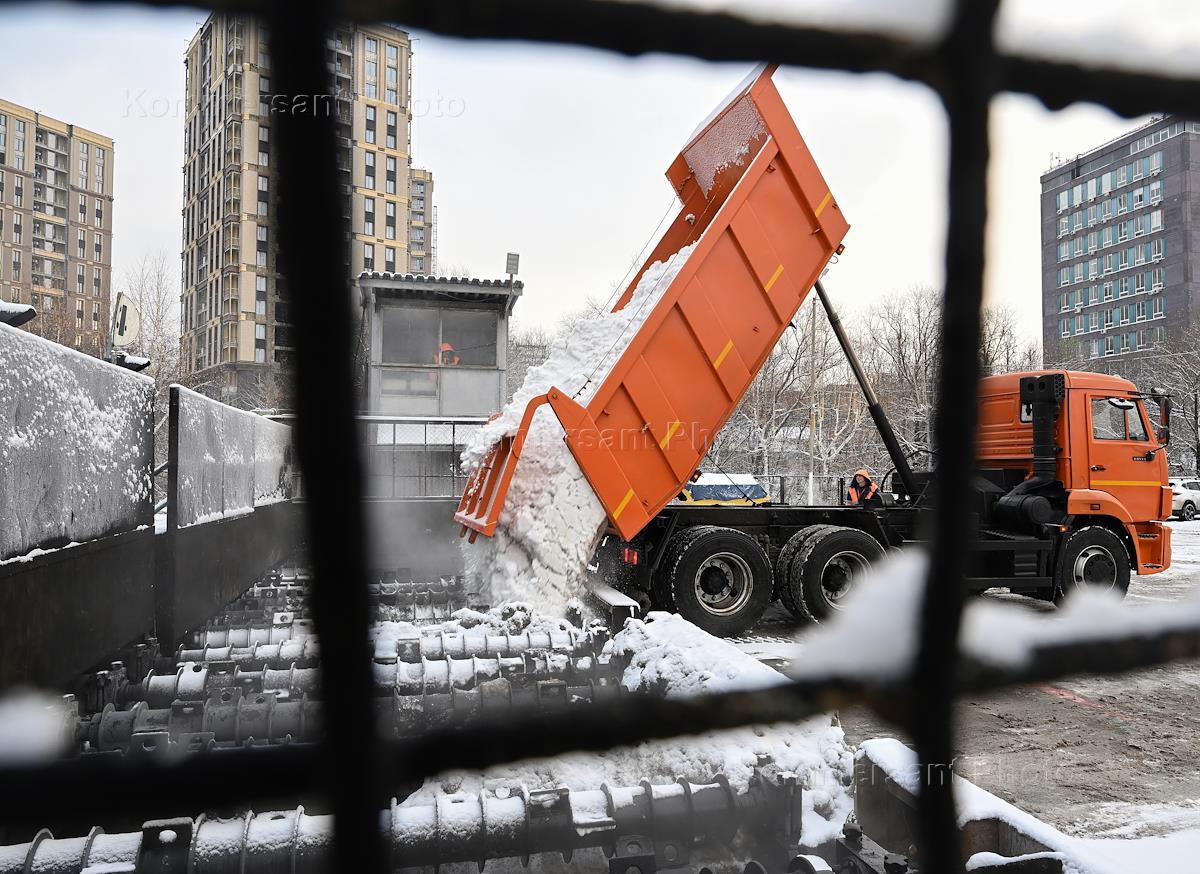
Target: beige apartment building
x=422, y=227
x=56, y=213
x=236, y=328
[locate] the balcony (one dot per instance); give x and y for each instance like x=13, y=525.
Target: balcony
x=49, y=209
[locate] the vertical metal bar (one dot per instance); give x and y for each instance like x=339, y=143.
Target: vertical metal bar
x=968, y=84
x=172, y=459
x=312, y=259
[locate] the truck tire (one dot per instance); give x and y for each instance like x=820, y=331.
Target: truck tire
x=1091, y=557
x=788, y=594
x=720, y=579
x=824, y=569
x=661, y=595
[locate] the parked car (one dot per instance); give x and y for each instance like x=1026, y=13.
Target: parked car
x=1185, y=497
x=724, y=490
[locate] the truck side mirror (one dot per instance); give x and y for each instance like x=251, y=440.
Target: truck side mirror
x=1163, y=400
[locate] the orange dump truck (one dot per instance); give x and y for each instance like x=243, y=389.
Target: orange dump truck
x=764, y=224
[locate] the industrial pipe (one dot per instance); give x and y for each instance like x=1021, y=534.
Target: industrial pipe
x=517, y=822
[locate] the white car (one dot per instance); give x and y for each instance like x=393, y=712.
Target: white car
x=1185, y=497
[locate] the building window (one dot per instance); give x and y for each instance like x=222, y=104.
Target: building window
x=18, y=191
x=98, y=246
x=99, y=213
x=372, y=46
x=96, y=283
x=391, y=130
x=392, y=53
x=418, y=264
x=80, y=278
x=391, y=175
x=416, y=335
x=368, y=256
x=16, y=267
x=370, y=124
x=82, y=209
x=16, y=229
x=78, y=317
x=260, y=295
x=369, y=170
x=369, y=216
x=389, y=259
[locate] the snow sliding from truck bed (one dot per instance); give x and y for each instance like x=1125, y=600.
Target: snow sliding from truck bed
x=552, y=519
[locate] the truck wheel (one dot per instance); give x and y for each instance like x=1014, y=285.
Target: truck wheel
x=1187, y=512
x=790, y=595
x=661, y=595
x=1091, y=558
x=825, y=569
x=720, y=580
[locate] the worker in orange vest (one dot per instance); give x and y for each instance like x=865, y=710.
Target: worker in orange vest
x=863, y=492
x=447, y=356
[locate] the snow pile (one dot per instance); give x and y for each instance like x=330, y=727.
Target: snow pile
x=552, y=519
x=677, y=659
x=671, y=656
x=75, y=445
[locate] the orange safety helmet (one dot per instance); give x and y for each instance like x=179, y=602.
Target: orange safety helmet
x=447, y=355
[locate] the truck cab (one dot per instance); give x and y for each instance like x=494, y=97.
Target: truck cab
x=1107, y=466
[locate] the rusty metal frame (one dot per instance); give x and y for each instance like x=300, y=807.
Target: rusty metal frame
x=353, y=768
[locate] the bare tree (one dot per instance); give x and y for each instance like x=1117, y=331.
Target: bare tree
x=54, y=321
x=152, y=287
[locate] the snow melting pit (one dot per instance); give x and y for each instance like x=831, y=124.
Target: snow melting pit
x=552, y=520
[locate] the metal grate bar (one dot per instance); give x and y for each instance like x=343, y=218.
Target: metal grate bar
x=351, y=767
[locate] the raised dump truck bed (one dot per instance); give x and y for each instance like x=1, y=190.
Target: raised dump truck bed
x=764, y=224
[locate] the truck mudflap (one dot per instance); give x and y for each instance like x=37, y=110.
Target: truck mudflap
x=764, y=224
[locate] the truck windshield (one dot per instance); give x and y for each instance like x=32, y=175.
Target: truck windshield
x=1116, y=419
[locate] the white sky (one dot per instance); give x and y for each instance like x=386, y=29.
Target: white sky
x=559, y=153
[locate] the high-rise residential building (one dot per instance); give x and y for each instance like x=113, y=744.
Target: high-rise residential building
x=1118, y=226
x=56, y=213
x=236, y=332
x=422, y=233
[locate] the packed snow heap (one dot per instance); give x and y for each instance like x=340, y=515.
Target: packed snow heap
x=552, y=520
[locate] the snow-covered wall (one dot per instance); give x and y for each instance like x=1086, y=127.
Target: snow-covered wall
x=229, y=460
x=272, y=461
x=76, y=446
